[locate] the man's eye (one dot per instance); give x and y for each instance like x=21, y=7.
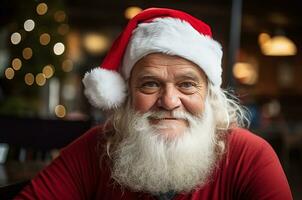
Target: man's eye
x=149, y=87
x=187, y=85
x=150, y=84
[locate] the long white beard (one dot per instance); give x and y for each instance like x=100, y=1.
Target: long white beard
x=146, y=161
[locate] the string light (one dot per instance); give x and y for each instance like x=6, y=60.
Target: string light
x=60, y=111
x=16, y=64
x=29, y=25
x=44, y=39
x=48, y=71
x=42, y=8
x=59, y=48
x=40, y=79
x=9, y=73
x=15, y=38
x=29, y=78
x=27, y=53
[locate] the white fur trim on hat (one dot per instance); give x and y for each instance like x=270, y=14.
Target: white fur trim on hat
x=174, y=37
x=104, y=88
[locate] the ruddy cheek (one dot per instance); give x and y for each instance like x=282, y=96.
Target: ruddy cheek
x=194, y=105
x=143, y=103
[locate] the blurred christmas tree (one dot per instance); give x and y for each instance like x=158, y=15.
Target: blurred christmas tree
x=36, y=43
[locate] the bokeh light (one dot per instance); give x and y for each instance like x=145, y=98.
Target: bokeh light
x=29, y=25
x=40, y=79
x=60, y=111
x=67, y=65
x=15, y=38
x=9, y=73
x=27, y=53
x=130, y=12
x=42, y=8
x=48, y=71
x=59, y=48
x=44, y=39
x=16, y=63
x=29, y=78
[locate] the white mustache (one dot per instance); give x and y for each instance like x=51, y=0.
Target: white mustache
x=161, y=115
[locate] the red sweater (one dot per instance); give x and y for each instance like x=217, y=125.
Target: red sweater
x=250, y=170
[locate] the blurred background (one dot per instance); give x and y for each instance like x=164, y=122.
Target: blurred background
x=47, y=46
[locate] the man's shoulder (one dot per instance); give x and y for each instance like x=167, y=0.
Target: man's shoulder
x=241, y=136
x=89, y=140
x=243, y=143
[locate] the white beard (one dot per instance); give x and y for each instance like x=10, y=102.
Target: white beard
x=146, y=161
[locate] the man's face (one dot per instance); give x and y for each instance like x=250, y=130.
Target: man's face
x=166, y=83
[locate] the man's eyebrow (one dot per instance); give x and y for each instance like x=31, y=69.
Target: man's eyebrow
x=189, y=75
x=147, y=76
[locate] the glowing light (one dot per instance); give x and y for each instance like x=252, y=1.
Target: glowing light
x=63, y=29
x=245, y=72
x=29, y=25
x=15, y=38
x=27, y=53
x=59, y=48
x=130, y=12
x=42, y=8
x=9, y=73
x=44, y=39
x=29, y=78
x=279, y=46
x=60, y=111
x=95, y=43
x=60, y=16
x=67, y=65
x=263, y=38
x=48, y=71
x=40, y=79
x=16, y=64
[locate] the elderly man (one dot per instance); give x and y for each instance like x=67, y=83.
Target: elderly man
x=173, y=132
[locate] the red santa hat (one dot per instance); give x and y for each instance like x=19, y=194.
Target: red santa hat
x=153, y=30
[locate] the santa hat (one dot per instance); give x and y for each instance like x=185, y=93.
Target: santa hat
x=153, y=30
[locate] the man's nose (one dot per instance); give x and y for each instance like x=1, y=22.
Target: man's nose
x=169, y=98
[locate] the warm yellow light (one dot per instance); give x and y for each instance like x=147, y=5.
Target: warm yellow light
x=15, y=38
x=130, y=12
x=63, y=29
x=27, y=53
x=59, y=48
x=29, y=25
x=40, y=79
x=42, y=8
x=67, y=65
x=245, y=72
x=279, y=46
x=95, y=43
x=16, y=64
x=29, y=78
x=60, y=16
x=48, y=71
x=276, y=46
x=263, y=38
x=44, y=39
x=60, y=111
x=9, y=73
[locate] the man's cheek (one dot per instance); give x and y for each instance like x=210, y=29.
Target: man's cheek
x=143, y=103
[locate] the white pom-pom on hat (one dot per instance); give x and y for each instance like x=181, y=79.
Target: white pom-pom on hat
x=105, y=89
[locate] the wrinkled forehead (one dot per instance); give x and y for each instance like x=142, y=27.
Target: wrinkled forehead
x=157, y=63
